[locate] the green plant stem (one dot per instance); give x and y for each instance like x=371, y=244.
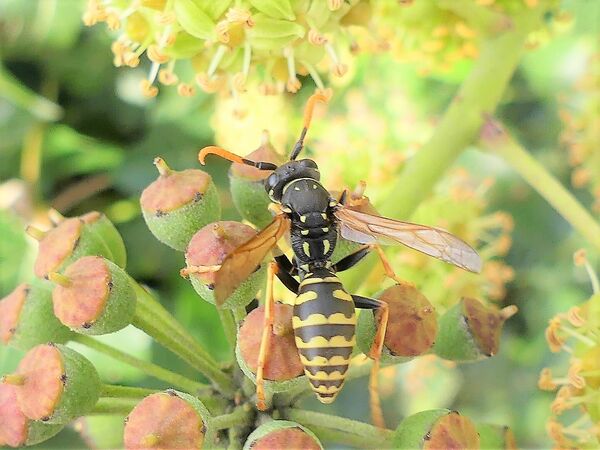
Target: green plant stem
x=494, y=137
x=166, y=318
x=17, y=93
x=115, y=391
x=171, y=378
x=342, y=437
x=145, y=321
x=356, y=432
x=459, y=127
x=121, y=406
x=229, y=326
x=486, y=20
x=240, y=416
x=239, y=314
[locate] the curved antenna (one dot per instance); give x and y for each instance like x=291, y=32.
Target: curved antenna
x=214, y=150
x=308, y=112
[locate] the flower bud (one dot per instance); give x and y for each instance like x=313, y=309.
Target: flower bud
x=278, y=9
x=55, y=384
x=247, y=185
x=168, y=419
x=94, y=296
x=177, y=204
x=496, y=437
x=27, y=319
x=16, y=430
x=436, y=429
x=283, y=368
x=208, y=249
x=282, y=434
x=470, y=330
x=193, y=19
x=411, y=328
x=72, y=238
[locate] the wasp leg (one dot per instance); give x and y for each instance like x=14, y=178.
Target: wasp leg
x=386, y=264
x=352, y=259
x=382, y=313
x=266, y=338
x=190, y=270
x=286, y=269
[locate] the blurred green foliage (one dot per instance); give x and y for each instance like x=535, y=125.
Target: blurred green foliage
x=98, y=154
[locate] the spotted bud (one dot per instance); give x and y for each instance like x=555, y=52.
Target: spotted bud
x=470, y=330
x=247, y=185
x=168, y=419
x=27, y=319
x=93, y=296
x=411, y=329
x=16, y=430
x=208, y=249
x=283, y=368
x=436, y=429
x=496, y=437
x=177, y=204
x=55, y=384
x=282, y=434
x=72, y=238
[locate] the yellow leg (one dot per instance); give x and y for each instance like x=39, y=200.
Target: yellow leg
x=375, y=354
x=386, y=264
x=190, y=270
x=266, y=338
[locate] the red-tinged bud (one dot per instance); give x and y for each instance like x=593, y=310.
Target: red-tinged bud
x=177, y=204
x=278, y=434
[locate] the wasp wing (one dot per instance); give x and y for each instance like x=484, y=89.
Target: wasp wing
x=244, y=260
x=369, y=229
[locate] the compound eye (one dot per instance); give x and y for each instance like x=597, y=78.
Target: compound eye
x=309, y=163
x=272, y=180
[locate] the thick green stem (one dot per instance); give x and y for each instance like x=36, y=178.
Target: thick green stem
x=145, y=321
x=17, y=93
x=486, y=20
x=115, y=391
x=356, y=431
x=342, y=437
x=240, y=416
x=121, y=406
x=171, y=378
x=239, y=314
x=460, y=125
x=495, y=138
x=229, y=326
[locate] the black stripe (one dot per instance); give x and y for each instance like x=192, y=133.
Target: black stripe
x=327, y=383
x=327, y=369
x=326, y=331
x=311, y=353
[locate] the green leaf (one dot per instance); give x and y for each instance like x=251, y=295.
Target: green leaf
x=278, y=9
x=266, y=27
x=193, y=19
x=214, y=9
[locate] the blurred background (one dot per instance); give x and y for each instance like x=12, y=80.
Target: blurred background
x=76, y=134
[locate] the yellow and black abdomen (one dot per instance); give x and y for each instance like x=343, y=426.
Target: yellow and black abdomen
x=324, y=325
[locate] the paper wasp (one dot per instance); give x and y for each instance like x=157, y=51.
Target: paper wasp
x=324, y=317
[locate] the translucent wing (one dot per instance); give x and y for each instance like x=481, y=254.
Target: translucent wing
x=369, y=229
x=244, y=260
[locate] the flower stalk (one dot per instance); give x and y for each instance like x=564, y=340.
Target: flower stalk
x=116, y=391
x=121, y=406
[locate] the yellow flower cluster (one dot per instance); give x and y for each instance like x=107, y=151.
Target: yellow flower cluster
x=581, y=132
x=576, y=332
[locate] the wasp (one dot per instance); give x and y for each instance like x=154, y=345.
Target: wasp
x=324, y=318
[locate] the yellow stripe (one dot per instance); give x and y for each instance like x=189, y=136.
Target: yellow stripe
x=326, y=246
x=320, y=341
x=306, y=248
x=305, y=297
x=336, y=360
x=326, y=389
x=320, y=319
x=324, y=376
x=326, y=400
x=342, y=295
x=319, y=280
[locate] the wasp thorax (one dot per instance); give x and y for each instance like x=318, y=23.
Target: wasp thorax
x=290, y=171
x=247, y=185
x=436, y=429
x=207, y=250
x=55, y=384
x=282, y=434
x=27, y=319
x=168, y=420
x=177, y=204
x=93, y=296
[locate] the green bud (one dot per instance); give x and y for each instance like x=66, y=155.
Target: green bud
x=278, y=9
x=94, y=296
x=284, y=369
x=470, y=330
x=247, y=185
x=55, y=384
x=193, y=19
x=185, y=46
x=411, y=328
x=106, y=231
x=168, y=419
x=16, y=430
x=282, y=434
x=436, y=429
x=208, y=249
x=27, y=319
x=496, y=437
x=177, y=204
